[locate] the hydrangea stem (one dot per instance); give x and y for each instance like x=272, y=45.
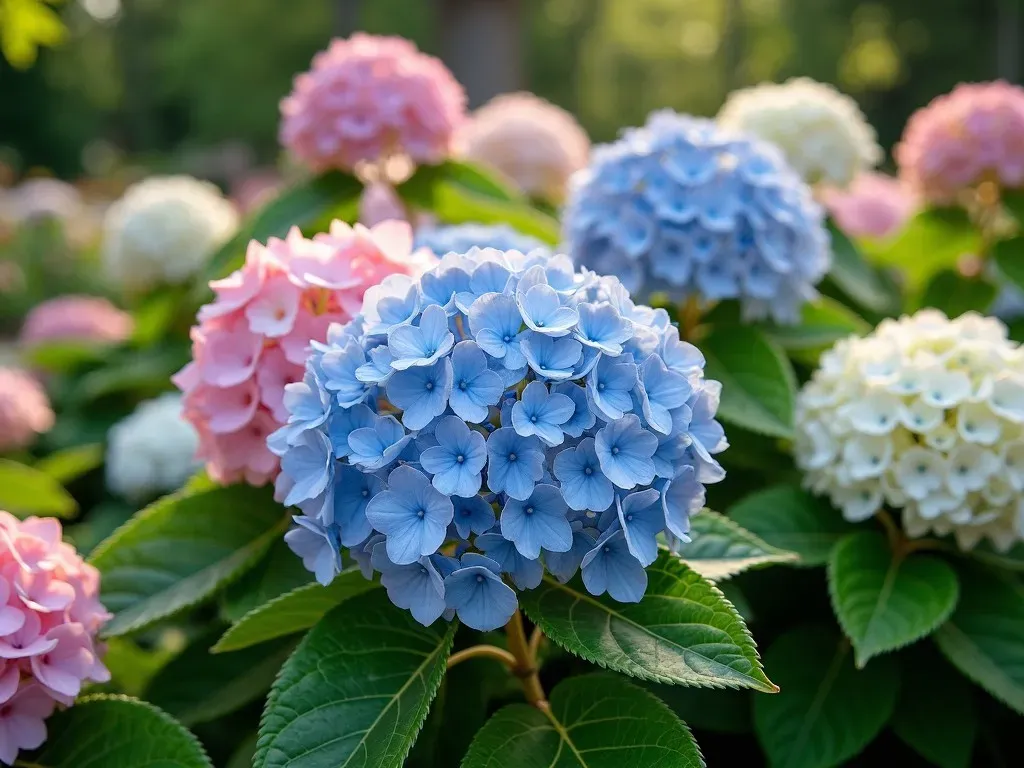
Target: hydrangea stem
x=486, y=652
x=526, y=662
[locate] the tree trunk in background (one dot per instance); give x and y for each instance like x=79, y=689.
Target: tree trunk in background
x=482, y=42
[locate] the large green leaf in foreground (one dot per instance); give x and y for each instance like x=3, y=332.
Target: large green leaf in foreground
x=720, y=548
x=684, y=631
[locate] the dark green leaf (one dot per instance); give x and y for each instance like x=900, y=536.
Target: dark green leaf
x=983, y=637
x=71, y=463
x=720, y=548
x=295, y=611
x=118, y=732
x=29, y=491
x=828, y=711
x=1013, y=201
x=242, y=757
x=683, y=632
x=933, y=240
x=822, y=323
x=707, y=710
x=330, y=194
x=131, y=666
x=855, y=277
x=65, y=356
x=458, y=193
x=1012, y=559
x=1009, y=257
x=278, y=572
x=196, y=686
x=181, y=549
x=792, y=520
x=955, y=294
x=142, y=372
x=935, y=713
x=758, y=384
x=357, y=689
x=885, y=602
x=596, y=721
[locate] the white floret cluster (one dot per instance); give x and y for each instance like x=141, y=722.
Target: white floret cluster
x=822, y=132
x=163, y=230
x=152, y=451
x=926, y=415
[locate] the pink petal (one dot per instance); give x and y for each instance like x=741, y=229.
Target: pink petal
x=272, y=313
x=231, y=408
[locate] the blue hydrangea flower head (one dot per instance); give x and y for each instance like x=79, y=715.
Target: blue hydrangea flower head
x=459, y=238
x=500, y=417
x=685, y=206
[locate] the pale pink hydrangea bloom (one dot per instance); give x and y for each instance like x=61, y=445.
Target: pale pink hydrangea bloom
x=50, y=614
x=369, y=97
x=378, y=203
x=24, y=409
x=75, y=318
x=534, y=143
x=874, y=206
x=253, y=339
x=972, y=134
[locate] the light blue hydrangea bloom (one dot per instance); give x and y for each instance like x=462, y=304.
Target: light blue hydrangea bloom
x=684, y=206
x=459, y=238
x=503, y=416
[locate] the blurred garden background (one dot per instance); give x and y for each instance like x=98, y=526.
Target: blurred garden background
x=193, y=85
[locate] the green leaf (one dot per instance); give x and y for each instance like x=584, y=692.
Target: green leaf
x=683, y=632
x=1012, y=559
x=278, y=572
x=181, y=549
x=829, y=711
x=141, y=372
x=457, y=193
x=935, y=714
x=71, y=463
x=131, y=666
x=1009, y=257
x=243, y=755
x=330, y=195
x=29, y=491
x=596, y=721
x=66, y=356
x=758, y=383
x=933, y=240
x=822, y=323
x=196, y=686
x=118, y=732
x=983, y=637
x=885, y=602
x=721, y=549
x=955, y=294
x=357, y=689
x=25, y=26
x=792, y=520
x=706, y=710
x=293, y=612
x=855, y=277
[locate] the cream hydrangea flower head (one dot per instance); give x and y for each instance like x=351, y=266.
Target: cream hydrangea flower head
x=925, y=414
x=163, y=229
x=822, y=132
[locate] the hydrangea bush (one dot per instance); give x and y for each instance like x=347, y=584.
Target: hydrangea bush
x=25, y=410
x=75, y=319
x=501, y=415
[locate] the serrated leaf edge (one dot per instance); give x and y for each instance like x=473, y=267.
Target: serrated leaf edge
x=772, y=555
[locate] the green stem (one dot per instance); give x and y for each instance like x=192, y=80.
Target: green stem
x=526, y=662
x=483, y=652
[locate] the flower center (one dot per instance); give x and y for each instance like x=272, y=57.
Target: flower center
x=607, y=548
x=479, y=579
x=420, y=513
x=512, y=457
x=366, y=492
x=600, y=387
x=507, y=338
x=615, y=450
x=430, y=386
x=533, y=419
x=540, y=323
x=460, y=458
x=588, y=471
x=463, y=385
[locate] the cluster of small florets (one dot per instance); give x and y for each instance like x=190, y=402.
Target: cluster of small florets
x=152, y=451
x=50, y=614
x=367, y=98
x=874, y=206
x=163, y=230
x=501, y=415
x=973, y=134
x=924, y=414
x=822, y=132
x=253, y=339
x=75, y=318
x=532, y=142
x=459, y=238
x=685, y=206
x=25, y=409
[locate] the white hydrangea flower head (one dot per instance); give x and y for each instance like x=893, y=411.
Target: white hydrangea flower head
x=163, y=230
x=822, y=132
x=925, y=414
x=152, y=451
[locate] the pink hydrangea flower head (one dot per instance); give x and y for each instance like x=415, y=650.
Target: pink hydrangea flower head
x=24, y=409
x=972, y=134
x=380, y=203
x=75, y=318
x=367, y=98
x=874, y=206
x=534, y=143
x=252, y=339
x=50, y=614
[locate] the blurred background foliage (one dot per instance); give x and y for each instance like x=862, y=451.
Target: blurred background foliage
x=193, y=85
